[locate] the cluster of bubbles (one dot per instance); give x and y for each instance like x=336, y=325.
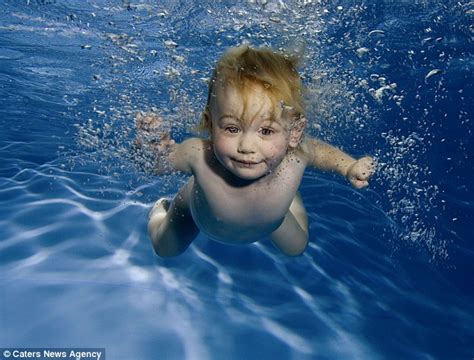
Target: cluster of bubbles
x=149, y=65
x=413, y=199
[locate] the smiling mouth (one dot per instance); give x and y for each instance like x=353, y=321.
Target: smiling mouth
x=245, y=163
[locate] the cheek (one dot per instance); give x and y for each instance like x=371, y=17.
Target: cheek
x=221, y=146
x=277, y=149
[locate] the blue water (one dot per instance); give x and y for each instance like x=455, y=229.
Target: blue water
x=389, y=270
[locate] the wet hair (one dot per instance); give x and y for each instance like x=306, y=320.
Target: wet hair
x=244, y=66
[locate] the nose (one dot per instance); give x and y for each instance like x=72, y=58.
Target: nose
x=246, y=144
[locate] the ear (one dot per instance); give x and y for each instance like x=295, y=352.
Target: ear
x=296, y=132
x=206, y=121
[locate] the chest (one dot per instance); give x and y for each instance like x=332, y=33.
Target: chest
x=260, y=202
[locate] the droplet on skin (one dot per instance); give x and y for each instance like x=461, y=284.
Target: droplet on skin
x=286, y=107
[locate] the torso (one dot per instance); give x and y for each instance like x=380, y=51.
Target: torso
x=232, y=211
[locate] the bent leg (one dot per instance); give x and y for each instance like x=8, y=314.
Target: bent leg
x=171, y=234
x=292, y=236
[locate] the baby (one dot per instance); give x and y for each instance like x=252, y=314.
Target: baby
x=245, y=177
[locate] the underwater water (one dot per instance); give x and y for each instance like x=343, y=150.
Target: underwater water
x=389, y=270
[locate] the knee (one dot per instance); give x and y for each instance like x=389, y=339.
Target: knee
x=166, y=244
x=156, y=240
x=296, y=252
x=163, y=250
x=297, y=248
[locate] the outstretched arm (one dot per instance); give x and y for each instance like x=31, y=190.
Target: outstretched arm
x=327, y=157
x=167, y=155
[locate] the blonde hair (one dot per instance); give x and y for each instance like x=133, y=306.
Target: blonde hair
x=244, y=66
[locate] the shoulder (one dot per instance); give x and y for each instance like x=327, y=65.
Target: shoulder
x=304, y=151
x=190, y=153
x=195, y=148
x=193, y=144
x=295, y=162
x=309, y=150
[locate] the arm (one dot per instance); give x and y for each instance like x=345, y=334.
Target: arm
x=327, y=157
x=183, y=156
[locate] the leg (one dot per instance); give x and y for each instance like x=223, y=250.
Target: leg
x=292, y=235
x=173, y=231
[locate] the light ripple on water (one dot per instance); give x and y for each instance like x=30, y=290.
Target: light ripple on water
x=58, y=265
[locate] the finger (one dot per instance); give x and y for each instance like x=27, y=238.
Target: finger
x=139, y=118
x=367, y=161
x=373, y=165
x=364, y=175
x=359, y=184
x=366, y=171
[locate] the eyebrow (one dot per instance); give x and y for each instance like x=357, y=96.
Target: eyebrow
x=268, y=119
x=228, y=116
x=226, y=119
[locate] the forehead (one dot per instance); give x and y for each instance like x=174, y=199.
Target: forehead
x=245, y=102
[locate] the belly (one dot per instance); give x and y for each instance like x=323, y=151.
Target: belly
x=235, y=218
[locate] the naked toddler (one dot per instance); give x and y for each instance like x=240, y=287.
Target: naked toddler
x=245, y=177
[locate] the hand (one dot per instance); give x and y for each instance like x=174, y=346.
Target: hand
x=148, y=121
x=360, y=171
x=150, y=133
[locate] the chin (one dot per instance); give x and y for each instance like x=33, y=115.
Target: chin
x=249, y=174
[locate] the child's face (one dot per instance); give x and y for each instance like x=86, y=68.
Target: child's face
x=252, y=148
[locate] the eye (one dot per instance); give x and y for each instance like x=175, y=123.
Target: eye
x=267, y=131
x=232, y=129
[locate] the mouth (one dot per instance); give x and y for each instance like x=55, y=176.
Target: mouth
x=245, y=163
